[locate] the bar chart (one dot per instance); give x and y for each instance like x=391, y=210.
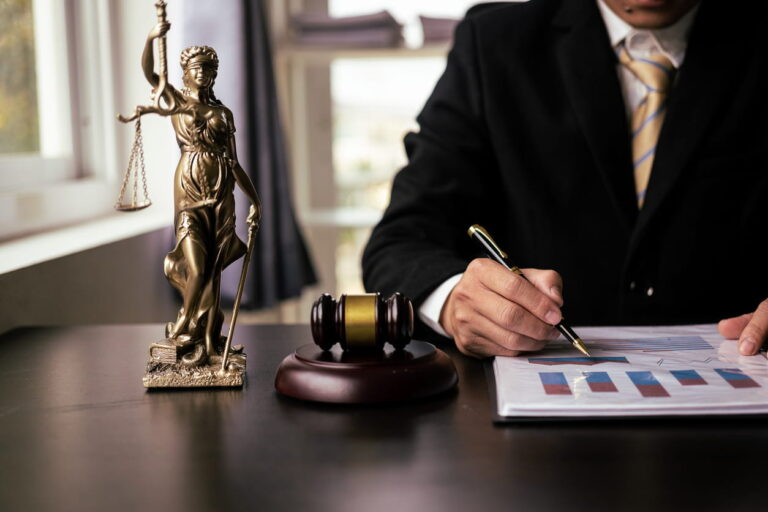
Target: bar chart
x=634, y=371
x=556, y=383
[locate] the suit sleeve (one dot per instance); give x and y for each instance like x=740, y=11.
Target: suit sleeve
x=447, y=185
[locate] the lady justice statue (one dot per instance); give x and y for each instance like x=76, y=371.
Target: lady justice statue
x=194, y=353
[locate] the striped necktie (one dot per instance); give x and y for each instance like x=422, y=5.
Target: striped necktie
x=655, y=72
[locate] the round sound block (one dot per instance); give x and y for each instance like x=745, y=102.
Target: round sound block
x=416, y=371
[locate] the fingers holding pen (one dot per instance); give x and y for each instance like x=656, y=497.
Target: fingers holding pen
x=539, y=292
x=481, y=337
x=493, y=311
x=549, y=282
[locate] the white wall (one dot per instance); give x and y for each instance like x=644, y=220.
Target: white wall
x=121, y=282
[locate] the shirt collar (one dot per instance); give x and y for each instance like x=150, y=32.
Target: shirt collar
x=672, y=41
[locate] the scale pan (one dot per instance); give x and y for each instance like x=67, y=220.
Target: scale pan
x=132, y=207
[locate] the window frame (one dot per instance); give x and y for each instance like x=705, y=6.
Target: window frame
x=74, y=177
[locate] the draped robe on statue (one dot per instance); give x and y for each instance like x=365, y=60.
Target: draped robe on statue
x=204, y=207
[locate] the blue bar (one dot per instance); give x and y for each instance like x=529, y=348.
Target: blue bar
x=685, y=374
x=589, y=361
x=643, y=379
x=688, y=377
x=732, y=374
x=553, y=378
x=598, y=377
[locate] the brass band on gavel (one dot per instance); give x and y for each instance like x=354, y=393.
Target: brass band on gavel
x=362, y=322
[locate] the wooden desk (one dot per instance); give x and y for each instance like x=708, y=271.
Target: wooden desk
x=78, y=432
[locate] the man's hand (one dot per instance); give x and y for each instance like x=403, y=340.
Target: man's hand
x=495, y=312
x=750, y=329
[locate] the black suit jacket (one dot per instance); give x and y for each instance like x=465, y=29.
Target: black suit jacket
x=526, y=133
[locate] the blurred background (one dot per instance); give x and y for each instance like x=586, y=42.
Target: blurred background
x=325, y=88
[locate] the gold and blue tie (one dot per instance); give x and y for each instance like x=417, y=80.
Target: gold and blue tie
x=655, y=72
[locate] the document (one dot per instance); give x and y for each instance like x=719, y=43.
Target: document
x=633, y=371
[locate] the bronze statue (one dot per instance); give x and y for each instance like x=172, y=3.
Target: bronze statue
x=204, y=218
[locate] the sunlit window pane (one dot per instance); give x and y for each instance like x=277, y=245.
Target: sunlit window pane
x=375, y=103
x=18, y=90
x=349, y=252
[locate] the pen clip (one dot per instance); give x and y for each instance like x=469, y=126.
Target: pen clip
x=478, y=230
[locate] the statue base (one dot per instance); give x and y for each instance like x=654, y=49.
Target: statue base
x=166, y=370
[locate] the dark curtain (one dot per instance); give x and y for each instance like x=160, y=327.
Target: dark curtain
x=238, y=30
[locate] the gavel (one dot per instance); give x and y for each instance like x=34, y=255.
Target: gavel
x=362, y=322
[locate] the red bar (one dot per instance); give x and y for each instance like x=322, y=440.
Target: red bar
x=744, y=383
x=693, y=382
x=557, y=389
x=650, y=390
x=602, y=386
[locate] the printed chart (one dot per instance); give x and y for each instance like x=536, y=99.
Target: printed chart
x=634, y=371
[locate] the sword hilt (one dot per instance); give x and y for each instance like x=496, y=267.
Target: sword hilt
x=162, y=67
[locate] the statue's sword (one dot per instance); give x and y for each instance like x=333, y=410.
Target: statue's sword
x=157, y=106
x=162, y=65
x=236, y=307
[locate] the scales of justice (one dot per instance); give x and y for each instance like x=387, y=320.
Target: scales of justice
x=194, y=353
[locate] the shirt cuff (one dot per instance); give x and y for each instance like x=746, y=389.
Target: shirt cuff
x=430, y=309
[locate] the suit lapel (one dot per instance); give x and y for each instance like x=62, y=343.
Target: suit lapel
x=588, y=67
x=701, y=88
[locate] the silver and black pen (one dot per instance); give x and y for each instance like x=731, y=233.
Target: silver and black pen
x=494, y=251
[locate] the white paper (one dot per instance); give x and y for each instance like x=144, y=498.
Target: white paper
x=678, y=370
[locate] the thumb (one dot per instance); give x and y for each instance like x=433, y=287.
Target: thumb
x=548, y=282
x=754, y=333
x=730, y=328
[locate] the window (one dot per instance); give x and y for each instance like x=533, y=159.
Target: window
x=35, y=116
x=375, y=102
x=57, y=138
x=348, y=111
x=18, y=88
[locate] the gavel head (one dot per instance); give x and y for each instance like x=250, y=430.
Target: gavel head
x=362, y=322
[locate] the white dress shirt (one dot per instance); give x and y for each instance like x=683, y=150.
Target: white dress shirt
x=670, y=41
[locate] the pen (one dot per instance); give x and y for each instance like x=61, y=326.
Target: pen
x=481, y=235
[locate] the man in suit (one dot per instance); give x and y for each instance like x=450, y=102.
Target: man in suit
x=643, y=196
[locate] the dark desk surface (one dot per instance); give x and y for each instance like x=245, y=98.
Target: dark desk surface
x=79, y=432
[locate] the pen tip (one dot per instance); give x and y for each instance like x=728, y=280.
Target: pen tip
x=582, y=348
